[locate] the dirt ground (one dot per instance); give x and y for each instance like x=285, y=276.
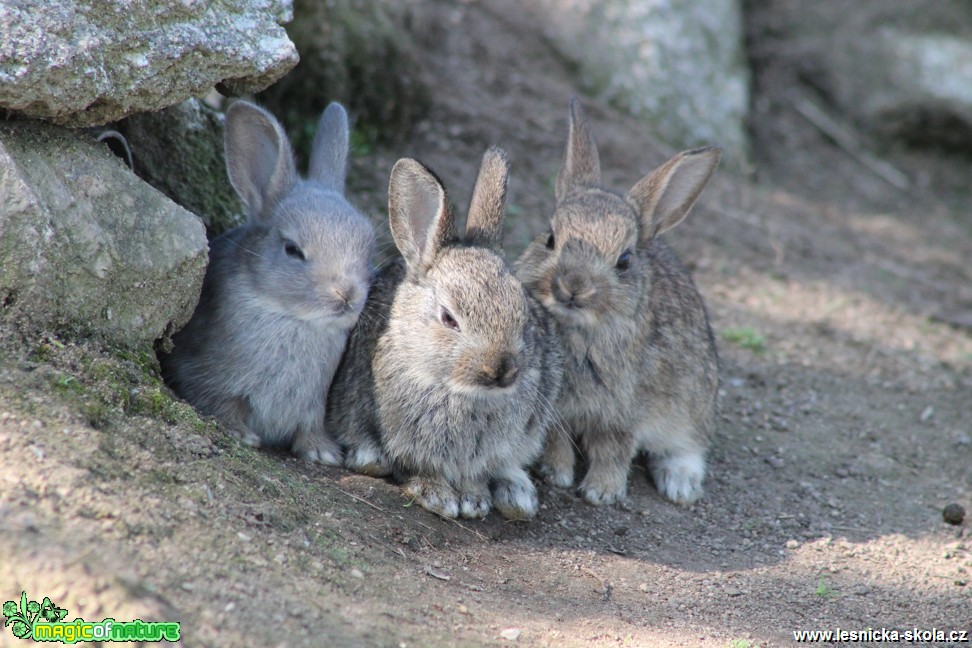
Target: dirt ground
x=845, y=427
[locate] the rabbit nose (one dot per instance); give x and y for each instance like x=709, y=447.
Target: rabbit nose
x=501, y=373
x=345, y=293
x=570, y=290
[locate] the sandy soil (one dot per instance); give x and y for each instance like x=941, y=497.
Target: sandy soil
x=844, y=430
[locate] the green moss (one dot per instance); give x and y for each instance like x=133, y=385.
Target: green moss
x=153, y=402
x=746, y=337
x=67, y=384
x=160, y=476
x=189, y=169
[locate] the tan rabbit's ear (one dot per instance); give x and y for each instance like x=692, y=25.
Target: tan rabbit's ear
x=329, y=152
x=582, y=166
x=419, y=214
x=259, y=160
x=665, y=196
x=487, y=208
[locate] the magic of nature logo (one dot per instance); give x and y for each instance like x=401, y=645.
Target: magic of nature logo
x=44, y=621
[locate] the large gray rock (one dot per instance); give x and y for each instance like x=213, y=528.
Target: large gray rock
x=898, y=70
x=907, y=85
x=89, y=62
x=679, y=65
x=85, y=246
x=179, y=151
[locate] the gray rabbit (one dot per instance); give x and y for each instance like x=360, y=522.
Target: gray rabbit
x=450, y=375
x=640, y=368
x=281, y=292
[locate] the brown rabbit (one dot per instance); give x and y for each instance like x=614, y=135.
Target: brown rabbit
x=449, y=374
x=641, y=369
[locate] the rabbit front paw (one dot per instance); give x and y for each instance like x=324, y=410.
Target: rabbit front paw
x=433, y=494
x=247, y=436
x=679, y=478
x=556, y=467
x=558, y=476
x=604, y=487
x=515, y=496
x=474, y=500
x=368, y=459
x=317, y=447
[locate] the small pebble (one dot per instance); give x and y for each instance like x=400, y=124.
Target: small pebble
x=953, y=513
x=357, y=573
x=510, y=634
x=643, y=587
x=792, y=544
x=926, y=414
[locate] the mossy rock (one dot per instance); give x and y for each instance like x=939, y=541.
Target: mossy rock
x=357, y=52
x=179, y=151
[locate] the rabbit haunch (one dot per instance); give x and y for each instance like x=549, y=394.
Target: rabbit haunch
x=640, y=368
x=281, y=292
x=451, y=372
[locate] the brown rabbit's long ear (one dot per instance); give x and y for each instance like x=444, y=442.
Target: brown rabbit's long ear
x=419, y=214
x=582, y=166
x=329, y=152
x=487, y=208
x=259, y=160
x=665, y=196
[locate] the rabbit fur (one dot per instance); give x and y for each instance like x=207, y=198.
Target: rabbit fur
x=281, y=292
x=450, y=375
x=641, y=367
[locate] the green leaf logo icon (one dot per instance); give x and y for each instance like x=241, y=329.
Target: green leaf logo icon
x=23, y=616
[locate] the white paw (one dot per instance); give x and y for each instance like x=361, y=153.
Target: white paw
x=598, y=495
x=515, y=497
x=679, y=478
x=247, y=436
x=368, y=459
x=604, y=485
x=474, y=505
x=434, y=495
x=322, y=455
x=559, y=477
x=317, y=447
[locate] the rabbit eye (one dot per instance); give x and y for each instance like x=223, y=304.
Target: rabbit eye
x=293, y=250
x=447, y=319
x=624, y=261
x=550, y=241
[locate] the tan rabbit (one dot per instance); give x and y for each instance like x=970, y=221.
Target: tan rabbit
x=640, y=369
x=450, y=374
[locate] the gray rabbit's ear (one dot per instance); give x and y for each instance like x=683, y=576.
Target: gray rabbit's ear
x=487, y=208
x=259, y=160
x=419, y=214
x=329, y=153
x=582, y=166
x=665, y=196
